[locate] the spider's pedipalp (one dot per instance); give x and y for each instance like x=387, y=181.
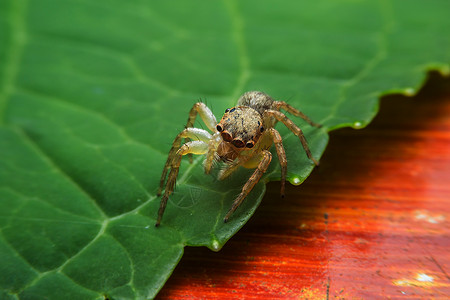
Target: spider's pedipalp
x=211, y=155
x=231, y=167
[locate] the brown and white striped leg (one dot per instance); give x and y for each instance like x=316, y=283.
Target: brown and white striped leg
x=194, y=147
x=252, y=181
x=295, y=129
x=292, y=110
x=281, y=157
x=192, y=133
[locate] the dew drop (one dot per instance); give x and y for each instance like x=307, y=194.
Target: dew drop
x=357, y=125
x=296, y=181
x=215, y=245
x=409, y=91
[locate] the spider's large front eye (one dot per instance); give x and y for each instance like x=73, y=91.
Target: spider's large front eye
x=226, y=136
x=238, y=143
x=219, y=128
x=227, y=110
x=250, y=144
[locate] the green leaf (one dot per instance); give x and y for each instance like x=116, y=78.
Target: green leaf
x=92, y=94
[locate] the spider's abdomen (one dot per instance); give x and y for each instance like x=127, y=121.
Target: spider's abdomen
x=256, y=100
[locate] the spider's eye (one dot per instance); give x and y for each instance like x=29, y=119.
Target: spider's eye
x=226, y=136
x=261, y=129
x=249, y=144
x=238, y=143
x=219, y=128
x=227, y=110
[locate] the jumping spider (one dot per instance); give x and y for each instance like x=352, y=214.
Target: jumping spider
x=241, y=138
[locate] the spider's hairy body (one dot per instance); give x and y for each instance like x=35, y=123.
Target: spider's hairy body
x=241, y=138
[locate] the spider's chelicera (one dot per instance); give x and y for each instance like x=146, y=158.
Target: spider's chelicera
x=241, y=138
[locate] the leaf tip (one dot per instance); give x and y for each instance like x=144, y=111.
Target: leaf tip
x=215, y=245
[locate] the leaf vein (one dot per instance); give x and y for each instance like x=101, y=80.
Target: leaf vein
x=239, y=39
x=13, y=53
x=50, y=162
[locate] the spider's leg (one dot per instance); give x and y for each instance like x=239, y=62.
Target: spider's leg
x=292, y=110
x=252, y=181
x=295, y=129
x=191, y=133
x=211, y=154
x=281, y=156
x=206, y=115
x=193, y=147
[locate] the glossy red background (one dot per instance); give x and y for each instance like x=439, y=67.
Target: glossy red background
x=371, y=222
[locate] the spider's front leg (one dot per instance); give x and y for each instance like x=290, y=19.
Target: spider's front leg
x=295, y=129
x=252, y=181
x=199, y=146
x=190, y=133
x=206, y=115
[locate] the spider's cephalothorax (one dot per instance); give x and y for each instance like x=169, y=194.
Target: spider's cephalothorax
x=241, y=138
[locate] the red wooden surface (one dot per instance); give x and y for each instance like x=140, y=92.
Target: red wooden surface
x=371, y=222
